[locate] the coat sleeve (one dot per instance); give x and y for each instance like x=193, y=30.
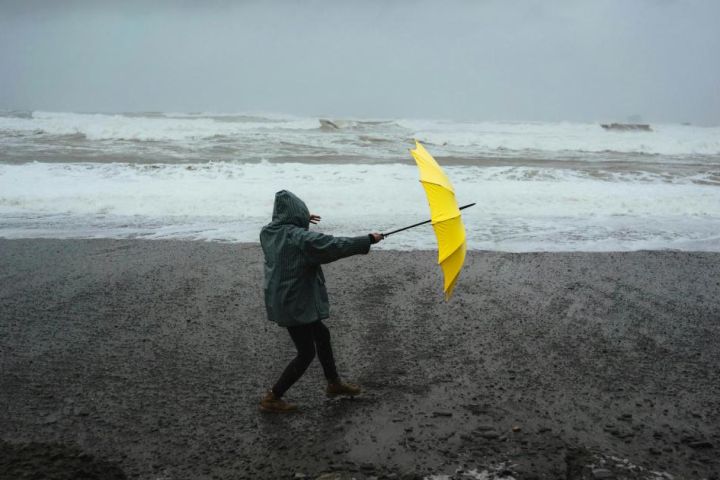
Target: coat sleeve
x=321, y=248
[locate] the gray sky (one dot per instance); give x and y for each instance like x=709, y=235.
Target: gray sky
x=483, y=60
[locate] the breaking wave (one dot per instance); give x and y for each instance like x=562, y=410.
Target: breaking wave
x=371, y=138
x=518, y=208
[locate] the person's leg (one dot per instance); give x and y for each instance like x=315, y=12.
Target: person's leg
x=321, y=335
x=302, y=337
x=323, y=345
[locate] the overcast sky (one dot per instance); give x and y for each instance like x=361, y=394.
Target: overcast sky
x=483, y=60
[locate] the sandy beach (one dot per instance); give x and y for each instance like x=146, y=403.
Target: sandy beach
x=146, y=359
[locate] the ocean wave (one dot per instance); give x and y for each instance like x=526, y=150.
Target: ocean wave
x=144, y=128
x=373, y=139
x=16, y=113
x=566, y=137
x=518, y=209
x=226, y=188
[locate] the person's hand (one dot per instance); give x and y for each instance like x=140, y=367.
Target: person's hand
x=314, y=219
x=377, y=237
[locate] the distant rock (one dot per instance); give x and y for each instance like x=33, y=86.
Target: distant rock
x=626, y=126
x=328, y=124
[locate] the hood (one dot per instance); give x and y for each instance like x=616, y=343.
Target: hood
x=290, y=209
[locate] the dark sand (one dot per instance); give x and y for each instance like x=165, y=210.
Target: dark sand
x=150, y=357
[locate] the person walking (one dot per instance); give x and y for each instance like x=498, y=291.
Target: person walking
x=295, y=293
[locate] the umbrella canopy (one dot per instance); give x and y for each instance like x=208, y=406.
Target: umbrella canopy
x=444, y=216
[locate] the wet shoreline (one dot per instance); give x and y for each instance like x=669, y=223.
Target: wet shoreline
x=152, y=355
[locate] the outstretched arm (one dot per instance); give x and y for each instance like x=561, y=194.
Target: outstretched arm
x=321, y=248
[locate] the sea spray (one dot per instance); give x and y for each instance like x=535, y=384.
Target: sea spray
x=518, y=208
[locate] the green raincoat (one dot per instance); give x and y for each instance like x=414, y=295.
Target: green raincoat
x=294, y=285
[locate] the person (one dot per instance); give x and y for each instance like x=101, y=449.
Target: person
x=295, y=293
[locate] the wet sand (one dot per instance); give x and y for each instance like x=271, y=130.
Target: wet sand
x=150, y=357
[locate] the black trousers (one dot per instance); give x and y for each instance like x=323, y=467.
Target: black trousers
x=308, y=339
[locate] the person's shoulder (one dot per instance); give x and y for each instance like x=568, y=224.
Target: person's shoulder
x=267, y=229
x=295, y=231
x=273, y=230
x=303, y=236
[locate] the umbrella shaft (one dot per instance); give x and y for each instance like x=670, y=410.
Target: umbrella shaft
x=421, y=223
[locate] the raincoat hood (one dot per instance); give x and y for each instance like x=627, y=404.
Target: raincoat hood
x=289, y=209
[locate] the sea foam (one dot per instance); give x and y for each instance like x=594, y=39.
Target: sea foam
x=518, y=208
x=146, y=127
x=302, y=137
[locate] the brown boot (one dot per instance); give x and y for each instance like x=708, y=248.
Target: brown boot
x=272, y=404
x=337, y=387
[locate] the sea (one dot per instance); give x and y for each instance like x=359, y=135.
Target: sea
x=537, y=186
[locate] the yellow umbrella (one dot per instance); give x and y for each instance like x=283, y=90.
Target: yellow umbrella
x=444, y=216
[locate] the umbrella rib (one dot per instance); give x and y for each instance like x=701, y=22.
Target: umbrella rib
x=451, y=253
x=451, y=189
